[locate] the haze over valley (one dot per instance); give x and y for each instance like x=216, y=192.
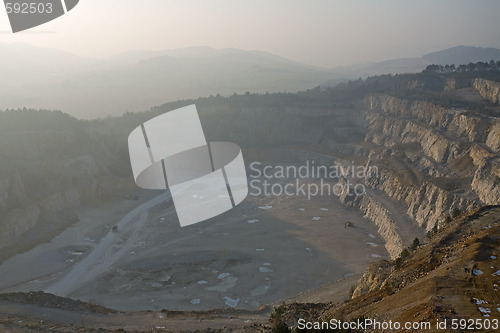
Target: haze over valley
x=433, y=137
x=41, y=78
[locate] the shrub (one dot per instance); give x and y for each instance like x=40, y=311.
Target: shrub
x=399, y=261
x=456, y=212
x=415, y=244
x=279, y=326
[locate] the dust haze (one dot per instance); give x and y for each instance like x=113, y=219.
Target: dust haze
x=407, y=90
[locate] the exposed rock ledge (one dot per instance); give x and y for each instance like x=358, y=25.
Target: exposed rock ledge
x=488, y=89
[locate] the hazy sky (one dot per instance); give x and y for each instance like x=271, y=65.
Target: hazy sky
x=319, y=32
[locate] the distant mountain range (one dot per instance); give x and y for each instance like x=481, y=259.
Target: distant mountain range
x=456, y=55
x=36, y=77
x=462, y=55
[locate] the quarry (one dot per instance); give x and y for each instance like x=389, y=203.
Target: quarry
x=427, y=168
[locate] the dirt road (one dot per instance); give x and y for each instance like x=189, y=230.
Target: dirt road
x=102, y=257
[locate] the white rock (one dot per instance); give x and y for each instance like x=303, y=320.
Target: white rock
x=232, y=303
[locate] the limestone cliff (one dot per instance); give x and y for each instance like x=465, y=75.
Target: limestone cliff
x=373, y=278
x=448, y=277
x=24, y=200
x=451, y=156
x=49, y=167
x=488, y=89
x=18, y=213
x=431, y=161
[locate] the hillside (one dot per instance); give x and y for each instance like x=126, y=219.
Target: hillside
x=41, y=78
x=431, y=133
x=462, y=55
x=37, y=78
x=455, y=55
x=50, y=165
x=454, y=275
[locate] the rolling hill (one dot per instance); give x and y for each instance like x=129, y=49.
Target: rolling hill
x=35, y=77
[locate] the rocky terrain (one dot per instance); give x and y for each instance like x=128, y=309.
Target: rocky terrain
x=432, y=140
x=453, y=276
x=488, y=89
x=431, y=158
x=50, y=166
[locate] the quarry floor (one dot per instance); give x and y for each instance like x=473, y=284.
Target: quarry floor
x=264, y=251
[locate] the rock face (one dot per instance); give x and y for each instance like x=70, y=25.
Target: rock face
x=373, y=278
x=51, y=197
x=431, y=159
x=18, y=213
x=488, y=89
x=383, y=218
x=22, y=204
x=454, y=83
x=440, y=139
x=49, y=167
x=450, y=274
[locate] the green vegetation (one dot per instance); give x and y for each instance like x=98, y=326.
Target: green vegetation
x=447, y=219
x=488, y=70
x=402, y=257
x=415, y=244
x=279, y=326
x=398, y=262
x=456, y=213
x=427, y=85
x=432, y=232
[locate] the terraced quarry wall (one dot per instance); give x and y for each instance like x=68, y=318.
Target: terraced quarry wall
x=488, y=89
x=430, y=159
